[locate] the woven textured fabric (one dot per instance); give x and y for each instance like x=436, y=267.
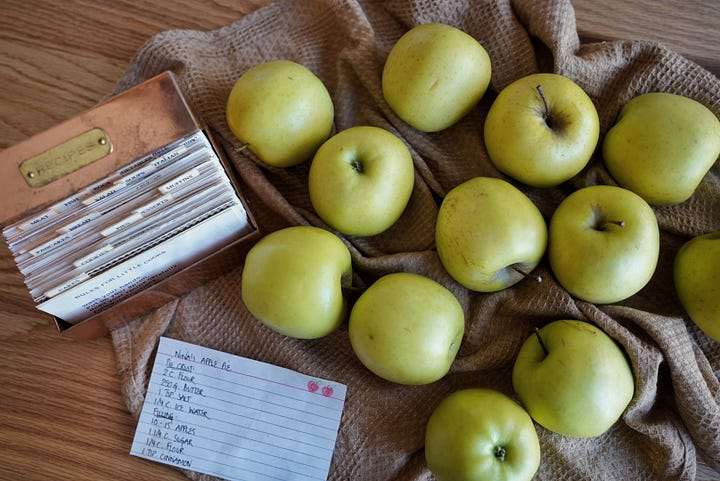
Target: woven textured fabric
x=675, y=412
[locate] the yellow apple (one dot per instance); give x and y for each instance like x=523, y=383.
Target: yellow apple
x=361, y=180
x=604, y=243
x=573, y=378
x=697, y=281
x=434, y=75
x=293, y=281
x=407, y=328
x=489, y=234
x=661, y=146
x=478, y=434
x=542, y=130
x=281, y=110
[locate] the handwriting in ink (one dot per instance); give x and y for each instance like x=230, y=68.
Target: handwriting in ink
x=185, y=356
x=185, y=429
x=180, y=366
x=208, y=361
x=193, y=390
x=162, y=414
x=198, y=412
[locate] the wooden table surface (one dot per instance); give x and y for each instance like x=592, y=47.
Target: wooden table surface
x=61, y=412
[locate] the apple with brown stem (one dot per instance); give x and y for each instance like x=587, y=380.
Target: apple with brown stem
x=603, y=243
x=542, y=129
x=573, y=378
x=489, y=234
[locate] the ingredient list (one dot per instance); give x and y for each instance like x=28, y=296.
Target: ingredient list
x=237, y=418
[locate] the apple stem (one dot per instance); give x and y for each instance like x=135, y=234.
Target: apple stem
x=527, y=275
x=540, y=340
x=242, y=147
x=601, y=223
x=605, y=223
x=546, y=115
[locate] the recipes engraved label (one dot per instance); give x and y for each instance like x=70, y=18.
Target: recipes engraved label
x=66, y=158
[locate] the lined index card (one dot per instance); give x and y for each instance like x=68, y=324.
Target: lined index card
x=237, y=418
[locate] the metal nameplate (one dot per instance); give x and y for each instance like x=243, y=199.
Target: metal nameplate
x=66, y=158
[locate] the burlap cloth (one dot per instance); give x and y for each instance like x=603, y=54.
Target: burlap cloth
x=675, y=412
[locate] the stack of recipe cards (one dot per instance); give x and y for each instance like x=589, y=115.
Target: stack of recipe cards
x=151, y=218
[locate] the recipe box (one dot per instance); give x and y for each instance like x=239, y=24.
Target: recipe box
x=83, y=151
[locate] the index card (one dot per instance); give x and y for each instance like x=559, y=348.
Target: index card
x=237, y=418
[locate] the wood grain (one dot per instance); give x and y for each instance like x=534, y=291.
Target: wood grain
x=690, y=28
x=62, y=414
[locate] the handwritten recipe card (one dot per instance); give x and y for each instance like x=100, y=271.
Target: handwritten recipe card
x=237, y=418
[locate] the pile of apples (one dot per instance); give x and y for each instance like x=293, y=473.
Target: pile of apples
x=602, y=241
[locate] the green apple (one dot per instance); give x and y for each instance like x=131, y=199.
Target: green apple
x=542, y=130
x=661, y=146
x=293, y=279
x=489, y=234
x=407, y=328
x=479, y=434
x=281, y=110
x=603, y=243
x=434, y=75
x=573, y=378
x=361, y=180
x=697, y=281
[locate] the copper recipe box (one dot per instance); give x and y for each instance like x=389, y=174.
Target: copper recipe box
x=62, y=161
